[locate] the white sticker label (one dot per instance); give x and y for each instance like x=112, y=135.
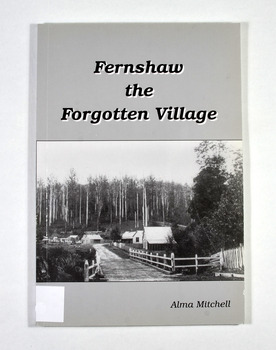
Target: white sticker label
x=49, y=304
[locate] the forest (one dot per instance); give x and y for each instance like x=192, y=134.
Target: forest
x=102, y=202
x=205, y=217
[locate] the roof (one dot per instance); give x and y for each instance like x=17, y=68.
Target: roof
x=128, y=235
x=139, y=232
x=91, y=236
x=92, y=232
x=157, y=235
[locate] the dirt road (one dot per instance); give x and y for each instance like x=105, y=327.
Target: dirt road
x=116, y=268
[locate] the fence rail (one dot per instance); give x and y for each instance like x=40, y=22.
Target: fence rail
x=170, y=263
x=229, y=259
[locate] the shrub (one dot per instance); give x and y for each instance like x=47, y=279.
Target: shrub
x=62, y=263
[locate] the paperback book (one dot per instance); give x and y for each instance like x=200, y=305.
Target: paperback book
x=139, y=175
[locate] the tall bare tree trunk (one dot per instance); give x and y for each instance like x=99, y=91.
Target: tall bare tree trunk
x=157, y=205
x=80, y=207
x=163, y=208
x=47, y=214
x=137, y=199
x=120, y=206
x=145, y=209
x=67, y=205
x=50, y=206
x=126, y=203
x=123, y=201
x=54, y=205
x=63, y=204
x=86, y=208
x=40, y=205
x=116, y=206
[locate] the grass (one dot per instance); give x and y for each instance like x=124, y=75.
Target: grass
x=118, y=251
x=206, y=277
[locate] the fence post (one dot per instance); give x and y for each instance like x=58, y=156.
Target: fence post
x=157, y=260
x=151, y=258
x=241, y=255
x=93, y=268
x=221, y=259
x=164, y=261
x=196, y=264
x=172, y=262
x=86, y=271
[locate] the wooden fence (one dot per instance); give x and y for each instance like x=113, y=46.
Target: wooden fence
x=228, y=259
x=233, y=258
x=90, y=272
x=171, y=264
x=126, y=246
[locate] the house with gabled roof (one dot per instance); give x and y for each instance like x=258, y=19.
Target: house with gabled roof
x=138, y=237
x=91, y=237
x=127, y=237
x=157, y=237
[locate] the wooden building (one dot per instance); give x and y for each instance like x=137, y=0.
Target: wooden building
x=156, y=238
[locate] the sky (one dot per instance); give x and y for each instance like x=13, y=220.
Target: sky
x=165, y=160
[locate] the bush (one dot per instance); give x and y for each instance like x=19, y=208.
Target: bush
x=185, y=241
x=62, y=263
x=115, y=234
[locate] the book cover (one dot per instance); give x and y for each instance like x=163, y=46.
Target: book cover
x=139, y=169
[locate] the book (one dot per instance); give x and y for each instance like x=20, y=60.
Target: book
x=139, y=169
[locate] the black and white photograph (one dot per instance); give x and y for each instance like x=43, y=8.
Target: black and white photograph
x=122, y=211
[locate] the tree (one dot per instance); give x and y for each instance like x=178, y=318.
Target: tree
x=207, y=189
x=101, y=190
x=210, y=153
x=217, y=206
x=115, y=234
x=210, y=182
x=226, y=223
x=145, y=202
x=39, y=201
x=185, y=241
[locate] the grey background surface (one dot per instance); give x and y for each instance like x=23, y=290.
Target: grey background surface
x=211, y=79
x=16, y=127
